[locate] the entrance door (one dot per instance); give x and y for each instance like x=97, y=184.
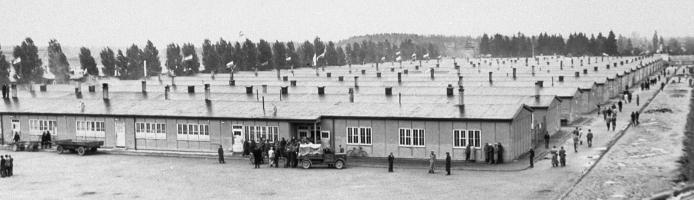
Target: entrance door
x=15, y=128
x=325, y=138
x=120, y=134
x=237, y=133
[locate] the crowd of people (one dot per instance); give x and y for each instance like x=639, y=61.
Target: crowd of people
x=6, y=165
x=273, y=150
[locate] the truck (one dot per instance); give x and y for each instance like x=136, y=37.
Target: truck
x=79, y=146
x=314, y=154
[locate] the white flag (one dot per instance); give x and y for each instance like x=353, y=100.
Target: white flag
x=383, y=58
x=398, y=58
x=323, y=54
x=230, y=64
x=414, y=55
x=604, y=54
x=19, y=59
x=288, y=59
x=397, y=53
x=189, y=57
x=426, y=56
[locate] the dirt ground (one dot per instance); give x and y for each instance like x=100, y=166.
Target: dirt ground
x=643, y=161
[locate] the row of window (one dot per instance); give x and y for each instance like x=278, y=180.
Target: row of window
x=258, y=133
x=90, y=129
x=463, y=138
x=38, y=126
x=359, y=135
x=412, y=137
x=193, y=132
x=149, y=130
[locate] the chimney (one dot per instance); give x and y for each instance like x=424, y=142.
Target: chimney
x=533, y=70
x=607, y=66
x=264, y=88
x=90, y=88
x=449, y=90
x=561, y=79
x=285, y=78
x=278, y=73
x=405, y=71
x=392, y=69
x=389, y=91
x=191, y=89
x=78, y=92
x=514, y=73
x=166, y=92
x=356, y=81
x=416, y=67
x=104, y=89
x=144, y=86
x=13, y=87
x=207, y=91
x=363, y=71
x=399, y=77
x=42, y=88
x=490, y=77
x=249, y=89
x=328, y=74
x=561, y=65
x=351, y=95
x=577, y=74
x=292, y=83
x=431, y=71
x=321, y=90
x=378, y=74
x=595, y=69
x=461, y=97
x=585, y=71
x=538, y=87
x=284, y=90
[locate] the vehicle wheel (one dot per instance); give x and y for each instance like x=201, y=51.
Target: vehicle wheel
x=339, y=164
x=60, y=149
x=80, y=151
x=306, y=164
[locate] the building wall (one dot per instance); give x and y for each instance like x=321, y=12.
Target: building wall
x=438, y=136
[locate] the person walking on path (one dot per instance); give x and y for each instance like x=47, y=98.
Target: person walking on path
x=468, y=150
x=619, y=104
x=486, y=153
x=637, y=114
x=492, y=153
x=637, y=100
x=391, y=158
x=448, y=164
x=546, y=140
x=220, y=153
x=562, y=157
x=16, y=137
x=2, y=166
x=531, y=157
x=246, y=147
x=555, y=161
x=575, y=144
x=614, y=122
x=432, y=160
x=589, y=138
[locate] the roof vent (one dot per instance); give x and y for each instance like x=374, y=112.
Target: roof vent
x=292, y=83
x=104, y=89
x=191, y=89
x=389, y=91
x=561, y=78
x=249, y=89
x=449, y=90
x=340, y=78
x=284, y=90
x=42, y=87
x=321, y=90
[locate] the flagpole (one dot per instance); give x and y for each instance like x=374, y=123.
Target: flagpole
x=145, y=70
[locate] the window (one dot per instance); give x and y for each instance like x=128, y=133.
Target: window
x=474, y=138
x=359, y=135
x=460, y=138
x=258, y=133
x=412, y=137
x=38, y=126
x=192, y=132
x=149, y=130
x=89, y=128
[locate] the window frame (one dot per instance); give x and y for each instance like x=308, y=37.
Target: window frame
x=361, y=135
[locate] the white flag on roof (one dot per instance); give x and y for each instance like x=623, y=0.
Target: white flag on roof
x=397, y=53
x=398, y=58
x=426, y=56
x=288, y=59
x=414, y=55
x=19, y=59
x=189, y=57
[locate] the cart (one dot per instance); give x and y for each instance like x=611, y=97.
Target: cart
x=79, y=146
x=310, y=155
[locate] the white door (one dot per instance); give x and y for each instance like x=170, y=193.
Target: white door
x=120, y=134
x=325, y=138
x=237, y=133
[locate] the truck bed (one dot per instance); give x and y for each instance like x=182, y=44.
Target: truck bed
x=84, y=143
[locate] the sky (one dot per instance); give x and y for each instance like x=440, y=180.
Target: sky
x=120, y=23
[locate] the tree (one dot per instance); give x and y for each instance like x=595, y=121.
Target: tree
x=307, y=51
x=264, y=55
x=150, y=54
x=225, y=53
x=57, y=62
x=484, y=45
x=190, y=63
x=29, y=68
x=4, y=69
x=331, y=54
x=292, y=51
x=341, y=58
x=279, y=55
x=87, y=62
x=611, y=44
x=135, y=63
x=239, y=57
x=108, y=59
x=210, y=59
x=250, y=59
x=121, y=65
x=173, y=59
x=654, y=42
x=673, y=47
x=319, y=49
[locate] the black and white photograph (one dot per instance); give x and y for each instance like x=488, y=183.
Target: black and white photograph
x=347, y=99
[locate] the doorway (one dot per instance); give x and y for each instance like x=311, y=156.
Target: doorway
x=120, y=134
x=237, y=133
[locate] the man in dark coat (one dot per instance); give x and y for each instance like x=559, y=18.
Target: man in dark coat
x=562, y=157
x=288, y=150
x=589, y=138
x=468, y=150
x=546, y=140
x=49, y=140
x=16, y=137
x=500, y=153
x=246, y=147
x=531, y=157
x=486, y=152
x=258, y=156
x=491, y=154
x=448, y=164
x=220, y=153
x=637, y=114
x=2, y=166
x=391, y=158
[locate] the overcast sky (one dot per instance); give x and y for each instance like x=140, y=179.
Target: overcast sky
x=123, y=22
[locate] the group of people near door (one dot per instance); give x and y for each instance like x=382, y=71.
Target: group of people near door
x=273, y=150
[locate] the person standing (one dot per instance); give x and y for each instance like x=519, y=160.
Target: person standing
x=554, y=152
x=614, y=122
x=288, y=151
x=2, y=166
x=562, y=157
x=468, y=150
x=246, y=147
x=575, y=144
x=49, y=140
x=492, y=153
x=220, y=153
x=637, y=117
x=391, y=158
x=637, y=100
x=486, y=153
x=16, y=137
x=258, y=156
x=448, y=164
x=531, y=157
x=432, y=160
x=589, y=138
x=500, y=154
x=546, y=140
x=271, y=156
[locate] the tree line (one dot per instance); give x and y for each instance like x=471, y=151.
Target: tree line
x=577, y=44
